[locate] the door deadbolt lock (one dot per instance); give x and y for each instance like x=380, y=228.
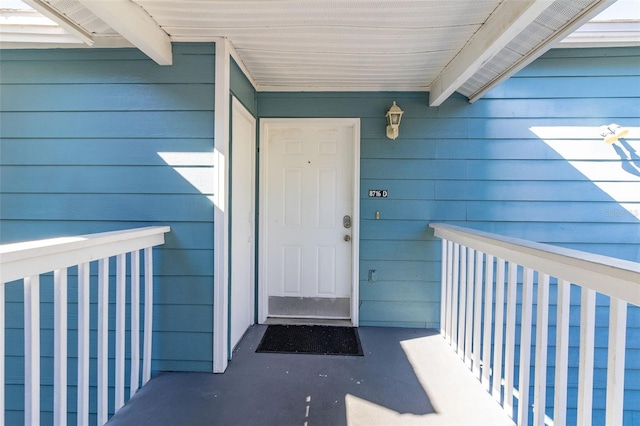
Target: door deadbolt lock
x=346, y=221
x=347, y=238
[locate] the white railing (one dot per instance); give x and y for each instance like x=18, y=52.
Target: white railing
x=473, y=318
x=27, y=262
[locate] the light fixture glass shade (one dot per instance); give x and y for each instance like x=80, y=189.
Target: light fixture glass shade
x=394, y=116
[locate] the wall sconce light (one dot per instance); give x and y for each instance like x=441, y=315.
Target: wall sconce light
x=394, y=115
x=613, y=132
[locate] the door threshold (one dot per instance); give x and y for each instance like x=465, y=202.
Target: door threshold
x=336, y=322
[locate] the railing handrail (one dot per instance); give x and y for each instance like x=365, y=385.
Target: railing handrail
x=19, y=260
x=607, y=275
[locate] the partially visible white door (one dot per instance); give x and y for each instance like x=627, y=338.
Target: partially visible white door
x=309, y=225
x=243, y=139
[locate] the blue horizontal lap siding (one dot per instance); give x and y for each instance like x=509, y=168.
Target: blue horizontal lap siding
x=82, y=133
x=95, y=152
x=242, y=89
x=481, y=165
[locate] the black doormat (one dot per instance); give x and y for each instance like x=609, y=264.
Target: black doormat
x=311, y=339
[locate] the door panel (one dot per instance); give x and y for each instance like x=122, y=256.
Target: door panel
x=308, y=251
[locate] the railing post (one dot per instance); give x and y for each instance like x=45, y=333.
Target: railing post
x=60, y=348
x=32, y=350
x=148, y=314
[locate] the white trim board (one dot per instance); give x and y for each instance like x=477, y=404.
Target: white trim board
x=265, y=123
x=221, y=214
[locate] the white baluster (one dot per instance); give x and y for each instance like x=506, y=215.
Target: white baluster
x=469, y=309
x=462, y=294
x=103, y=341
x=562, y=354
x=525, y=347
x=60, y=347
x=2, y=350
x=542, y=335
x=83, y=344
x=443, y=286
x=477, y=315
x=148, y=314
x=121, y=269
x=135, y=323
x=510, y=336
x=449, y=300
x=32, y=350
x=454, y=297
x=488, y=318
x=585, y=369
x=615, y=361
x=499, y=332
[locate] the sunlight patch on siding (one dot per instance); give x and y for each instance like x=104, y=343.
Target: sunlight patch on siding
x=614, y=168
x=199, y=169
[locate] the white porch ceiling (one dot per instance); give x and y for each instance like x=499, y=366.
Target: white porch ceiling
x=440, y=46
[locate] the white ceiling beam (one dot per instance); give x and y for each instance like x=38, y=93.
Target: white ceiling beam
x=59, y=18
x=505, y=23
x=133, y=23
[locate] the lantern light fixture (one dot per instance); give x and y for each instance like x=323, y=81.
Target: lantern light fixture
x=394, y=115
x=612, y=132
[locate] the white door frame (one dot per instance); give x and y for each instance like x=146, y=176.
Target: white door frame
x=238, y=108
x=265, y=124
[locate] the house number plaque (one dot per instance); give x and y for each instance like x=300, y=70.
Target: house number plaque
x=378, y=193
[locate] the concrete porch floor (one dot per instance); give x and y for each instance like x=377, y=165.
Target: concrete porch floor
x=407, y=377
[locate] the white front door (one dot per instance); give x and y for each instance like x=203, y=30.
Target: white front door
x=243, y=142
x=309, y=218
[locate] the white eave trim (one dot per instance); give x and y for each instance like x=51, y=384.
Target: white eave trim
x=355, y=88
x=47, y=10
x=99, y=42
x=604, y=34
x=136, y=25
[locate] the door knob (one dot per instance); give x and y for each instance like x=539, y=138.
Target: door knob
x=347, y=237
